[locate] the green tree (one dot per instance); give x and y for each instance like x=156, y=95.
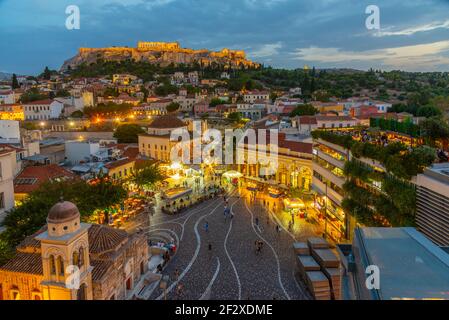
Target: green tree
x=128, y=133
x=215, y=102
x=428, y=111
x=145, y=92
x=434, y=128
x=304, y=110
x=62, y=93
x=235, y=117
x=173, y=107
x=77, y=114
x=46, y=74
x=15, y=84
x=32, y=94
x=146, y=174
x=26, y=219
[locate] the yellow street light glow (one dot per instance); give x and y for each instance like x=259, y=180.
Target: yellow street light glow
x=42, y=124
x=175, y=166
x=117, y=119
x=71, y=123
x=176, y=176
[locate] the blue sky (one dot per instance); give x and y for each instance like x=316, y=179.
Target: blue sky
x=414, y=34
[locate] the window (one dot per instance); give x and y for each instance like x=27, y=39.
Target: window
x=61, y=266
x=81, y=257
x=129, y=284
x=2, y=200
x=14, y=294
x=81, y=293
x=52, y=265
x=75, y=258
x=36, y=295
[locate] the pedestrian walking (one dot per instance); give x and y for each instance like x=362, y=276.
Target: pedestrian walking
x=179, y=290
x=210, y=247
x=268, y=220
x=176, y=275
x=257, y=221
x=206, y=226
x=256, y=247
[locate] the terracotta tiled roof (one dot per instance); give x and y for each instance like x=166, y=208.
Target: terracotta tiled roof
x=30, y=263
x=334, y=118
x=296, y=146
x=131, y=152
x=32, y=177
x=104, y=238
x=166, y=122
x=307, y=120
x=118, y=163
x=40, y=102
x=101, y=267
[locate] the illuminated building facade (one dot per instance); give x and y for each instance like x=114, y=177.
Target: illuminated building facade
x=111, y=262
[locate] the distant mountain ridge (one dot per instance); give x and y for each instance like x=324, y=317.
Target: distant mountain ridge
x=5, y=76
x=162, y=53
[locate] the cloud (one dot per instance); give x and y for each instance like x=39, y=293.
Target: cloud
x=414, y=57
x=267, y=50
x=263, y=3
x=412, y=30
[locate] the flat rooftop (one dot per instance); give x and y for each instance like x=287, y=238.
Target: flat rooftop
x=438, y=171
x=411, y=266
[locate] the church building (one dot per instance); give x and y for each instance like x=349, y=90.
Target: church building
x=71, y=260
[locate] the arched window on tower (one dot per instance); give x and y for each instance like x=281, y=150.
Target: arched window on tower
x=75, y=258
x=61, y=266
x=52, y=265
x=81, y=257
x=81, y=293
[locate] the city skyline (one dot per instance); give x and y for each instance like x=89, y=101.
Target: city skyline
x=325, y=34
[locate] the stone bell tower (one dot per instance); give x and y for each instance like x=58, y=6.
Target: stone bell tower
x=65, y=255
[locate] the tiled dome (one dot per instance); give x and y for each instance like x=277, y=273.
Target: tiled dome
x=63, y=211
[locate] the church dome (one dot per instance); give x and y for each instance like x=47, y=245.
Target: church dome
x=63, y=211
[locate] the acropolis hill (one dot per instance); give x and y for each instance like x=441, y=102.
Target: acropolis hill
x=163, y=53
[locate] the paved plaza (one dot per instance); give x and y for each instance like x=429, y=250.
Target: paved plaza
x=221, y=262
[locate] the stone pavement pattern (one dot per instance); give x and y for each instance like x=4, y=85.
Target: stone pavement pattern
x=231, y=270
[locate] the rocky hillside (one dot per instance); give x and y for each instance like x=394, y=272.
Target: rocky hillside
x=162, y=54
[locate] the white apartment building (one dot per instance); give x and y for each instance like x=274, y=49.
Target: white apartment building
x=432, y=215
x=7, y=169
x=328, y=179
x=9, y=131
x=187, y=102
x=80, y=151
x=43, y=109
x=253, y=96
x=7, y=97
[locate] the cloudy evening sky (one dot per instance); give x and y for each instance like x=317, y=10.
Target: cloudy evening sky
x=414, y=34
